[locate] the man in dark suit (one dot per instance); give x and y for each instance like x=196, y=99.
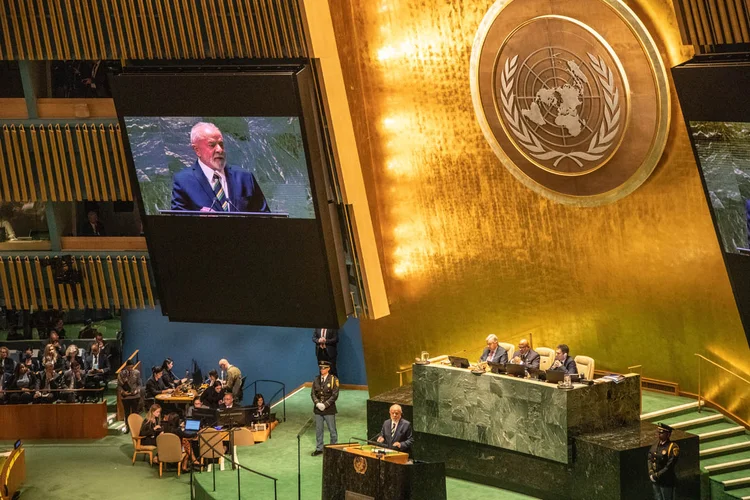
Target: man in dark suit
x=325, y=346
x=563, y=361
x=396, y=432
x=494, y=352
x=525, y=355
x=209, y=185
x=93, y=226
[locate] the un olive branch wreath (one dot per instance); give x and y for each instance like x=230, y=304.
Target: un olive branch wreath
x=599, y=143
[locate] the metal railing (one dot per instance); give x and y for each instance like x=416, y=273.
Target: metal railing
x=235, y=464
x=269, y=401
x=702, y=359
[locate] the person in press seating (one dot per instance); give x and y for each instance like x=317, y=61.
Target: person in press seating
x=563, y=360
x=73, y=380
x=151, y=426
x=227, y=402
x=72, y=354
x=494, y=352
x=59, y=328
x=96, y=364
x=24, y=381
x=525, y=355
x=32, y=363
x=51, y=355
x=99, y=340
x=662, y=459
x=8, y=364
x=210, y=185
x=170, y=379
x=213, y=395
x=233, y=383
x=197, y=403
x=47, y=385
x=93, y=226
x=396, y=432
x=129, y=387
x=326, y=340
x=54, y=339
x=155, y=384
x=325, y=392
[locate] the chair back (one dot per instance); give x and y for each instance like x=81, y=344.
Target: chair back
x=135, y=422
x=208, y=438
x=508, y=347
x=546, y=357
x=169, y=447
x=585, y=366
x=244, y=437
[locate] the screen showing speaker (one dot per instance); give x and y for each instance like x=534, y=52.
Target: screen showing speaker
x=228, y=166
x=221, y=164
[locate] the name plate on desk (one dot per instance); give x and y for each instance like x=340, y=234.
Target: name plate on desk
x=526, y=416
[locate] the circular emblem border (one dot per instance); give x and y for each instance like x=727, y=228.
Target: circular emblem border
x=659, y=140
x=604, y=74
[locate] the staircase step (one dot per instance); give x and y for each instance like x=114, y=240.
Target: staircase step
x=111, y=418
x=736, y=483
x=730, y=431
x=671, y=410
x=727, y=448
x=698, y=421
x=723, y=466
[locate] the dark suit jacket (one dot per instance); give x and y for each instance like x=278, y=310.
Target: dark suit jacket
x=569, y=366
x=192, y=191
x=531, y=359
x=402, y=435
x=501, y=355
x=88, y=230
x=103, y=363
x=332, y=338
x=154, y=387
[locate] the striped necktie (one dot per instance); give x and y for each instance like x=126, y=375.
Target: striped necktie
x=393, y=428
x=219, y=192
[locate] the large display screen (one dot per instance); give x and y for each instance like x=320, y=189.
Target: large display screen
x=229, y=170
x=215, y=164
x=723, y=150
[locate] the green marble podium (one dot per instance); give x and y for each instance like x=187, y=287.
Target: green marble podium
x=521, y=415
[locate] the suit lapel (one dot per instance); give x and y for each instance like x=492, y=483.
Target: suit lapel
x=203, y=182
x=230, y=187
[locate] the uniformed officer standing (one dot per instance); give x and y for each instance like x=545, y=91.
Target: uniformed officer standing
x=662, y=459
x=325, y=392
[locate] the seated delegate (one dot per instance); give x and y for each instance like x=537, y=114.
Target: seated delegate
x=151, y=426
x=212, y=396
x=563, y=361
x=155, y=384
x=526, y=355
x=494, y=352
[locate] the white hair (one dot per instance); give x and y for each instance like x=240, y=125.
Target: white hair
x=491, y=338
x=195, y=132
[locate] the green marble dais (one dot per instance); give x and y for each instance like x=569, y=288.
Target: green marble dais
x=521, y=415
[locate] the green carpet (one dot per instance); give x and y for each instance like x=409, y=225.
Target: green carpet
x=93, y=470
x=655, y=401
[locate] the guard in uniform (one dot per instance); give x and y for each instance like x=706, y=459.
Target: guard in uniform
x=325, y=392
x=662, y=459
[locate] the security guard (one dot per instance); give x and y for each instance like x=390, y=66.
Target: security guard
x=325, y=392
x=662, y=459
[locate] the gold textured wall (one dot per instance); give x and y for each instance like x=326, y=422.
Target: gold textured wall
x=468, y=251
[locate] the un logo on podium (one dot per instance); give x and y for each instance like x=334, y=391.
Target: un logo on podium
x=556, y=103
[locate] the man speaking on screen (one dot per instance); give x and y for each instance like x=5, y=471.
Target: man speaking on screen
x=209, y=185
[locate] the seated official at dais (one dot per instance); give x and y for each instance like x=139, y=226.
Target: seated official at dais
x=494, y=352
x=564, y=361
x=526, y=355
x=155, y=384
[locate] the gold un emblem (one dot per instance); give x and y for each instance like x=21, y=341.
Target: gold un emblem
x=553, y=98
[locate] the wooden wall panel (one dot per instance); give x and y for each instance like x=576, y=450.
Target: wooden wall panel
x=149, y=29
x=43, y=162
x=28, y=283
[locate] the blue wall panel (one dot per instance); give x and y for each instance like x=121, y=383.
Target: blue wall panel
x=261, y=352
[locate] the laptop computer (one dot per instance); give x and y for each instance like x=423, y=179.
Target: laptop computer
x=458, y=362
x=192, y=427
x=555, y=376
x=515, y=370
x=496, y=367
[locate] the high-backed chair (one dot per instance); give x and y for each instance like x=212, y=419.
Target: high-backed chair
x=135, y=422
x=211, y=444
x=546, y=357
x=169, y=448
x=508, y=347
x=243, y=437
x=585, y=366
